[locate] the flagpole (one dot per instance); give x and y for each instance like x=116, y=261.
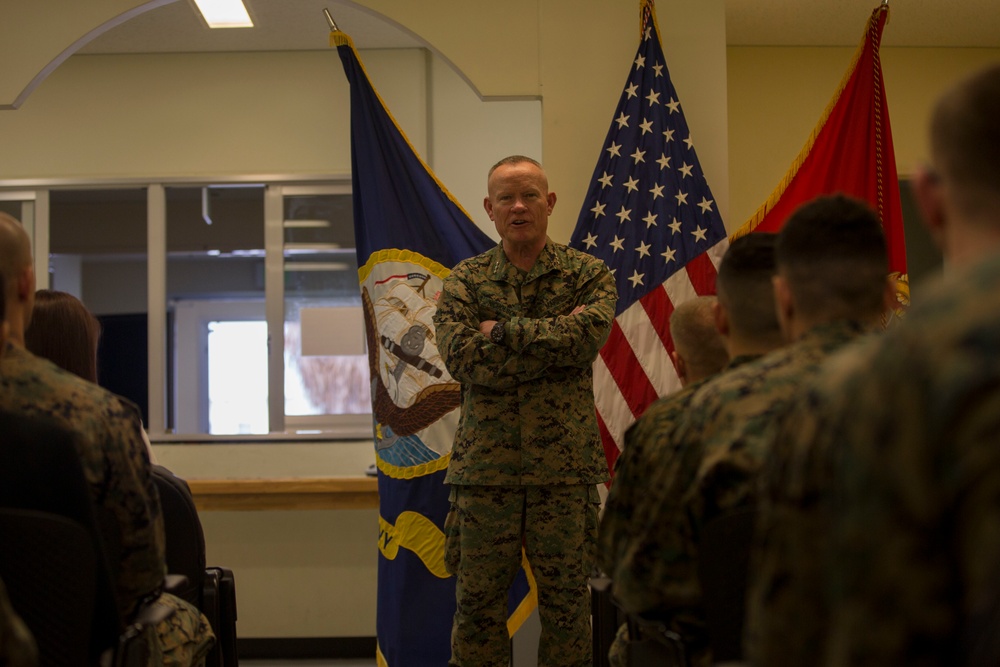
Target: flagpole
x=333, y=24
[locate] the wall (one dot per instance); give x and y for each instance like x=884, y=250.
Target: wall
x=298, y=573
x=777, y=94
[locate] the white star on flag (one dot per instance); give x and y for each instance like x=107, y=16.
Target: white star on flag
x=667, y=266
x=598, y=209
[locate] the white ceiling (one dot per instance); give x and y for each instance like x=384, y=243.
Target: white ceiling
x=282, y=25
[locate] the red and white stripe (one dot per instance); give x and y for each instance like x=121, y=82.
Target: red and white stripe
x=634, y=367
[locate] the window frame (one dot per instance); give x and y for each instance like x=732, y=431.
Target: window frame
x=34, y=196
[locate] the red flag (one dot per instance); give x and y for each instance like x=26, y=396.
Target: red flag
x=850, y=151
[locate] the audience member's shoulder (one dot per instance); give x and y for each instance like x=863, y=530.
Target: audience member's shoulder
x=669, y=407
x=733, y=380
x=953, y=302
x=42, y=381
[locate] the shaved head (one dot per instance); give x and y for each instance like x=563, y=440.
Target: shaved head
x=19, y=278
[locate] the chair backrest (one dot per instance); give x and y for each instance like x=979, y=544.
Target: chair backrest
x=40, y=470
x=723, y=560
x=185, y=539
x=49, y=567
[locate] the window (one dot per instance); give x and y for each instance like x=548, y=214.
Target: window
x=262, y=329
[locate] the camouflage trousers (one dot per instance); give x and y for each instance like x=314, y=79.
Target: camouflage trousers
x=182, y=640
x=485, y=531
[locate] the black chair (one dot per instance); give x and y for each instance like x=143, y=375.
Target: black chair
x=650, y=642
x=210, y=589
x=42, y=484
x=50, y=570
x=723, y=562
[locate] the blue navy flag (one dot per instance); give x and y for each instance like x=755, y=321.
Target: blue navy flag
x=410, y=232
x=650, y=215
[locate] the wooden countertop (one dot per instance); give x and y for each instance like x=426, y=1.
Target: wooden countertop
x=299, y=493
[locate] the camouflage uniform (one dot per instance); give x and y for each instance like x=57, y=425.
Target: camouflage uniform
x=731, y=425
x=647, y=441
x=117, y=468
x=787, y=617
x=528, y=431
x=914, y=429
x=634, y=547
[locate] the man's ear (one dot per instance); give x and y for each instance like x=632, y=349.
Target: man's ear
x=488, y=205
x=721, y=319
x=26, y=284
x=784, y=304
x=551, y=200
x=682, y=372
x=927, y=190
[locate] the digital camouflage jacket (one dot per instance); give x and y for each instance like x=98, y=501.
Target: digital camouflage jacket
x=528, y=413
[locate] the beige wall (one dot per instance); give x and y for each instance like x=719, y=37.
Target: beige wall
x=298, y=573
x=777, y=94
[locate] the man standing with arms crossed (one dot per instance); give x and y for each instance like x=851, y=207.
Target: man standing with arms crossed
x=520, y=327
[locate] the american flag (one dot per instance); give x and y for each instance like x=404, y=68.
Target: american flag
x=650, y=215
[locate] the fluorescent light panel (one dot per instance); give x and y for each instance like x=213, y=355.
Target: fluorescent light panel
x=224, y=13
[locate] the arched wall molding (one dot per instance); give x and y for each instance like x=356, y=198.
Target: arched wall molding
x=33, y=45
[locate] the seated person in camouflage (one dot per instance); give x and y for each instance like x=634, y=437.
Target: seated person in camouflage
x=900, y=459
x=17, y=646
x=632, y=547
x=113, y=455
x=831, y=287
x=520, y=326
x=853, y=289
x=699, y=353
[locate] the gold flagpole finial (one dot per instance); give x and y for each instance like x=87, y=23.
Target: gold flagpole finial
x=329, y=19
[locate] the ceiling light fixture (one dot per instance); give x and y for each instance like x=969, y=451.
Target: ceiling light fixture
x=224, y=13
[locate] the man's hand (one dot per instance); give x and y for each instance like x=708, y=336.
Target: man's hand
x=487, y=325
